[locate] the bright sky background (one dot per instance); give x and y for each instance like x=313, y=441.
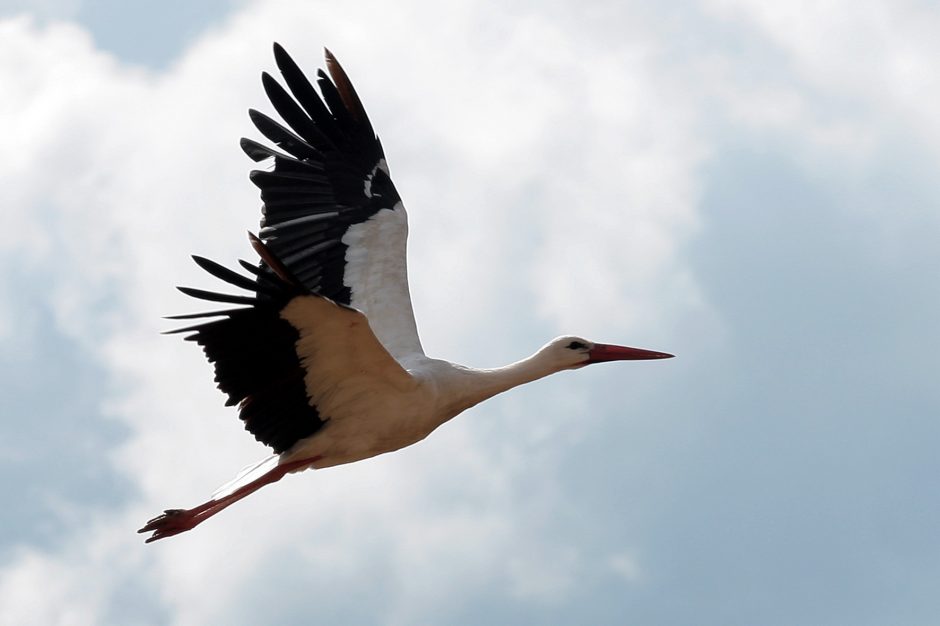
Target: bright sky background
x=750, y=185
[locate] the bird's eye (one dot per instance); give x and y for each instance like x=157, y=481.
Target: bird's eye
x=576, y=345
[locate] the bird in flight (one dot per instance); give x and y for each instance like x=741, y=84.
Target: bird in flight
x=322, y=357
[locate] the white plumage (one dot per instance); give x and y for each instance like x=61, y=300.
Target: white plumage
x=377, y=272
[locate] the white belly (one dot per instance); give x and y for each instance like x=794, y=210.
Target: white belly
x=370, y=427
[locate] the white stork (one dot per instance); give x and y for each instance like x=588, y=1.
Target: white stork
x=323, y=357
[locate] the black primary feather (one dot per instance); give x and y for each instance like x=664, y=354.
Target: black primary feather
x=322, y=183
x=253, y=351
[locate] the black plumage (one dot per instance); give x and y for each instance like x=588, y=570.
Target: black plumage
x=324, y=180
x=254, y=354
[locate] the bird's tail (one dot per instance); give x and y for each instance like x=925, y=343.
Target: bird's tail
x=246, y=475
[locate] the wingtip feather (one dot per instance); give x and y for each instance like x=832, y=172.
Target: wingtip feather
x=272, y=261
x=281, y=55
x=345, y=88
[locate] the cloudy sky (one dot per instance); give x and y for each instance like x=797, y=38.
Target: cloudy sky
x=749, y=185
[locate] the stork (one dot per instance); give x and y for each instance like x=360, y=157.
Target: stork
x=323, y=357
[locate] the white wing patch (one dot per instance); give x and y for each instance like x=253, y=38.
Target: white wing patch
x=367, y=185
x=377, y=275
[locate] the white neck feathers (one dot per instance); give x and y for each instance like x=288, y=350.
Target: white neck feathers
x=471, y=386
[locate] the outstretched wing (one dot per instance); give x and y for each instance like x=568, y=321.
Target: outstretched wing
x=331, y=212
x=285, y=354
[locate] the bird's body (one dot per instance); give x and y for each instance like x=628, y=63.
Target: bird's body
x=373, y=419
x=324, y=359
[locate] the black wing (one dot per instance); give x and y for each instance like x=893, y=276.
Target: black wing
x=330, y=191
x=254, y=353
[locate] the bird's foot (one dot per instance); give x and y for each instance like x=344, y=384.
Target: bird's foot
x=175, y=521
x=171, y=522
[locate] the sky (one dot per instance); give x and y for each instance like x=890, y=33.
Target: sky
x=748, y=185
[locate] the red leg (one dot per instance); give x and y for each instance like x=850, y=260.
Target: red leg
x=175, y=521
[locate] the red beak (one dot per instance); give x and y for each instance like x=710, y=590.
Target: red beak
x=605, y=352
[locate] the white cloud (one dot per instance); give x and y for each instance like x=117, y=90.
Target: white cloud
x=547, y=575
x=869, y=65
x=57, y=9
x=626, y=567
x=552, y=170
x=118, y=175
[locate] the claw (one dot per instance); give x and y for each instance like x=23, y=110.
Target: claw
x=153, y=523
x=175, y=521
x=170, y=522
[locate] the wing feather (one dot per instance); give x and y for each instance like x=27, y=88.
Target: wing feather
x=331, y=213
x=254, y=353
x=345, y=363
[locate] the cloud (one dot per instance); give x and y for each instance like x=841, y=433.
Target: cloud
x=561, y=168
x=866, y=66
x=147, y=171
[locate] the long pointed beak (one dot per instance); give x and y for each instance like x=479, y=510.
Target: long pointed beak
x=606, y=352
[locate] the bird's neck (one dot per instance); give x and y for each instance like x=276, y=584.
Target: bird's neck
x=481, y=384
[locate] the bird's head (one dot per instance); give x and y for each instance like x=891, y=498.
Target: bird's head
x=571, y=352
